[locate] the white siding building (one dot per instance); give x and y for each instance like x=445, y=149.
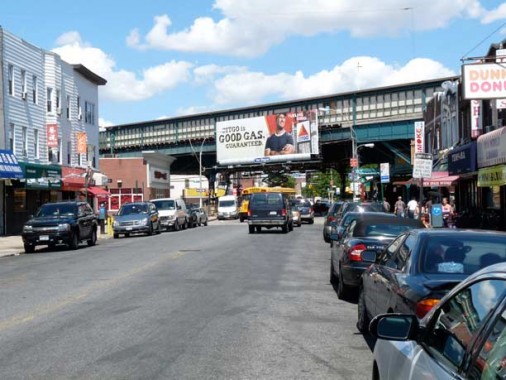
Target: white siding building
x=49, y=120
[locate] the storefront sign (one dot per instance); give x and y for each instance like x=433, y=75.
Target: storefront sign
x=462, y=160
x=81, y=142
x=492, y=148
x=42, y=176
x=385, y=172
x=484, y=81
x=493, y=176
x=419, y=137
x=476, y=118
x=52, y=135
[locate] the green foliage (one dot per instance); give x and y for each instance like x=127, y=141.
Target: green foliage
x=321, y=183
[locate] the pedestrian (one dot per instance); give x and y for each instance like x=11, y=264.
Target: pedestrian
x=412, y=208
x=102, y=215
x=386, y=205
x=400, y=207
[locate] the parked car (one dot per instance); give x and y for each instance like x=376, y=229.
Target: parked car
x=306, y=210
x=367, y=232
x=173, y=213
x=136, y=217
x=297, y=221
x=330, y=219
x=349, y=217
x=463, y=337
x=60, y=223
x=420, y=266
x=321, y=207
x=269, y=210
x=197, y=216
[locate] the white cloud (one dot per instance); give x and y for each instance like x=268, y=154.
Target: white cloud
x=105, y=123
x=354, y=73
x=207, y=73
x=122, y=85
x=250, y=28
x=496, y=14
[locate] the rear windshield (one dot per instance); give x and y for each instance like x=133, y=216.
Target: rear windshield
x=226, y=203
x=267, y=199
x=165, y=205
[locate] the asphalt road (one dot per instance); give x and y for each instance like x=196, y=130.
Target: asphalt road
x=208, y=303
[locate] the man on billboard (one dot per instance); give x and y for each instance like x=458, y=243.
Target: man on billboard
x=279, y=142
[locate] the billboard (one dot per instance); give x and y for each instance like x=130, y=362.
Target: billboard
x=273, y=138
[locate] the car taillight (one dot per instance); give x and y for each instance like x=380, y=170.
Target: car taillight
x=249, y=212
x=330, y=218
x=355, y=252
x=424, y=306
x=283, y=212
x=310, y=210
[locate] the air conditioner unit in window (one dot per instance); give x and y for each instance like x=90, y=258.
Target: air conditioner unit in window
x=24, y=95
x=80, y=116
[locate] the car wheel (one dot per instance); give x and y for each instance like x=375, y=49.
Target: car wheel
x=51, y=246
x=285, y=228
x=150, y=230
x=205, y=223
x=362, y=317
x=159, y=229
x=241, y=219
x=311, y=221
x=326, y=238
x=93, y=238
x=74, y=242
x=291, y=227
x=185, y=224
x=127, y=235
x=115, y=235
x=251, y=229
x=29, y=248
x=342, y=289
x=176, y=225
x=258, y=228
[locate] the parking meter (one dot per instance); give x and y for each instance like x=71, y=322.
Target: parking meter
x=437, y=215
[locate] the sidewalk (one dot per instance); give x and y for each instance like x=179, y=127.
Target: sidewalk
x=13, y=245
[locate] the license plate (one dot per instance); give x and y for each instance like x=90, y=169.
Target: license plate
x=273, y=213
x=44, y=238
x=129, y=228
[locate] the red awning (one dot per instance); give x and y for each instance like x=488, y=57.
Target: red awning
x=98, y=192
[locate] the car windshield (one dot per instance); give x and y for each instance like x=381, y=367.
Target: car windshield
x=133, y=209
x=367, y=207
x=449, y=254
x=226, y=204
x=57, y=210
x=165, y=205
x=383, y=229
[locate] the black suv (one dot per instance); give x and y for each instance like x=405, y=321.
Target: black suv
x=269, y=210
x=60, y=223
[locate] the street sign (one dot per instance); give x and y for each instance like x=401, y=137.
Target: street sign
x=422, y=167
x=385, y=172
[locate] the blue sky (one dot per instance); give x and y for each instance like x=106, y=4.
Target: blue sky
x=165, y=58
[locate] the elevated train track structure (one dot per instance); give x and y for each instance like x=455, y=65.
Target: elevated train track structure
x=384, y=115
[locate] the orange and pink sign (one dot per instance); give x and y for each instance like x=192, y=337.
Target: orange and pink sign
x=52, y=135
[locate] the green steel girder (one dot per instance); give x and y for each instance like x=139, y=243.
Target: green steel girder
x=401, y=130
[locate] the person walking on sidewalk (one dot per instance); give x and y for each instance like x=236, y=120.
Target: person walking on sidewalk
x=102, y=215
x=400, y=207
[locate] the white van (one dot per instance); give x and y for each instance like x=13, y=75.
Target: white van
x=228, y=207
x=173, y=213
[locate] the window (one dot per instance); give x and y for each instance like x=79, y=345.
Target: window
x=58, y=101
x=89, y=113
x=68, y=107
x=49, y=99
x=12, y=141
x=460, y=319
x=34, y=89
x=59, y=153
x=25, y=141
x=492, y=353
x=79, y=110
x=69, y=152
x=11, y=80
x=23, y=85
x=36, y=143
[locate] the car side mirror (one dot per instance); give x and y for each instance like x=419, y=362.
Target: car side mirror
x=334, y=236
x=396, y=327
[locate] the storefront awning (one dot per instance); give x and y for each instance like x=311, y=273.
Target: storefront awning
x=98, y=192
x=9, y=167
x=438, y=179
